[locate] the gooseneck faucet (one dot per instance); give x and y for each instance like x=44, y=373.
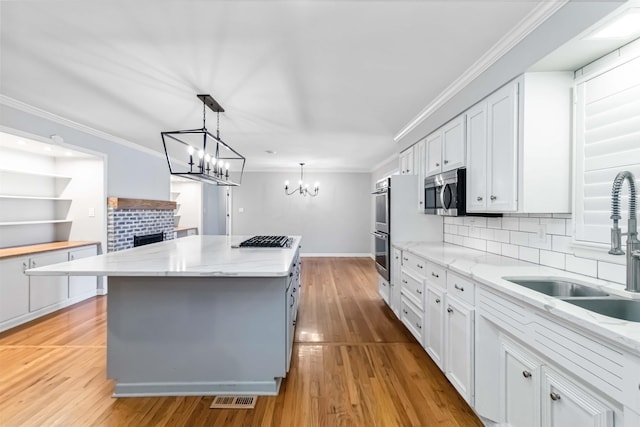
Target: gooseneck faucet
x=633, y=244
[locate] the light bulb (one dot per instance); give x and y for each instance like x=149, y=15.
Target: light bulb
x=201, y=153
x=316, y=185
x=306, y=186
x=221, y=163
x=190, y=150
x=286, y=183
x=226, y=166
x=300, y=182
x=207, y=157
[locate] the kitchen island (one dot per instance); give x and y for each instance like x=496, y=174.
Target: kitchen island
x=197, y=315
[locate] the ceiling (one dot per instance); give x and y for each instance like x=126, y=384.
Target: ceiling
x=324, y=82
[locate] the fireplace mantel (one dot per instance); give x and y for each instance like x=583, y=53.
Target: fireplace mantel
x=122, y=203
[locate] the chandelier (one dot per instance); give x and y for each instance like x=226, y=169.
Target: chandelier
x=303, y=188
x=199, y=155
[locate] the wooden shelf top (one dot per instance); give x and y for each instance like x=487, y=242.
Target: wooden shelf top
x=122, y=203
x=185, y=227
x=42, y=247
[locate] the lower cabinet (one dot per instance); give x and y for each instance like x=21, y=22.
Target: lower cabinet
x=14, y=288
x=47, y=290
x=82, y=285
x=383, y=290
x=520, y=385
x=434, y=330
x=24, y=298
x=458, y=364
x=565, y=403
x=411, y=316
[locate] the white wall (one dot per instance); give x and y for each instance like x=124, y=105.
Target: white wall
x=337, y=221
x=189, y=203
x=130, y=173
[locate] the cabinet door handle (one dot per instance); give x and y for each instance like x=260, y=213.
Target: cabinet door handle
x=397, y=257
x=437, y=300
x=419, y=291
x=72, y=257
x=449, y=310
x=420, y=203
x=493, y=197
x=479, y=198
x=434, y=275
x=405, y=258
x=24, y=267
x=419, y=326
x=404, y=281
x=420, y=266
x=437, y=164
x=33, y=264
x=405, y=311
x=526, y=374
x=554, y=396
x=446, y=162
x=460, y=288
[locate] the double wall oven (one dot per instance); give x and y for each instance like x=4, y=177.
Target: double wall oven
x=382, y=242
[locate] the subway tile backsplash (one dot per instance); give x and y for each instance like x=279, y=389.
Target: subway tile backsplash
x=521, y=236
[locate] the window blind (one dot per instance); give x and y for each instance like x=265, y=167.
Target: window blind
x=607, y=141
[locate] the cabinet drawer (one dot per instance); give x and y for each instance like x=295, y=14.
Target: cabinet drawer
x=413, y=289
x=414, y=263
x=437, y=276
x=461, y=288
x=412, y=319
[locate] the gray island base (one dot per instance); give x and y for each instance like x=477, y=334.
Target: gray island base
x=197, y=327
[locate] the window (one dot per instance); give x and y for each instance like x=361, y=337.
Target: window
x=607, y=117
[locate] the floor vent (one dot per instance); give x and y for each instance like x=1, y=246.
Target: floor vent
x=234, y=402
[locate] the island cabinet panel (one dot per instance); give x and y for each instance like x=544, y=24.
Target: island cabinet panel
x=206, y=336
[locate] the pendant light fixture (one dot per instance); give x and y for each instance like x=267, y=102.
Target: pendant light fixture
x=302, y=188
x=199, y=155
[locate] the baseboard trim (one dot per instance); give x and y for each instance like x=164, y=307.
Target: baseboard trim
x=336, y=255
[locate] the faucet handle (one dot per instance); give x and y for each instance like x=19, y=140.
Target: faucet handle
x=616, y=241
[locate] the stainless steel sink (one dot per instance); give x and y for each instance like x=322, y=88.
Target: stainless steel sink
x=558, y=287
x=623, y=309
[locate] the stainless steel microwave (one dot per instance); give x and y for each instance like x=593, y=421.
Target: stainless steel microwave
x=444, y=194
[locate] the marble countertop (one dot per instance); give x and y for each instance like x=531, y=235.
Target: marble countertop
x=489, y=270
x=191, y=256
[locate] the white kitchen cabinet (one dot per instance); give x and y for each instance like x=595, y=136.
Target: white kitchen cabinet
x=407, y=162
x=453, y=144
x=383, y=290
x=420, y=154
x=518, y=144
x=565, y=403
x=434, y=328
x=47, y=290
x=519, y=385
x=14, y=288
x=80, y=286
x=434, y=153
x=458, y=364
x=396, y=274
x=412, y=317
x=446, y=147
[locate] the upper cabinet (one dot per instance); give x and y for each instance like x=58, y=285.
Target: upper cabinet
x=406, y=162
x=518, y=140
x=420, y=154
x=446, y=147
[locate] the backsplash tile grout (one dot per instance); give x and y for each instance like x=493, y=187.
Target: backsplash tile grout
x=515, y=236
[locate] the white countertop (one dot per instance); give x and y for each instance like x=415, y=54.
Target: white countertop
x=192, y=256
x=489, y=270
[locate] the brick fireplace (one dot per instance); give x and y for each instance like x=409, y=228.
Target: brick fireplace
x=127, y=218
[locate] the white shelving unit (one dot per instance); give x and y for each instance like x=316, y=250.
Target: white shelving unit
x=33, y=208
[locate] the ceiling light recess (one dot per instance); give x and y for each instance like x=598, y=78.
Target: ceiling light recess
x=199, y=155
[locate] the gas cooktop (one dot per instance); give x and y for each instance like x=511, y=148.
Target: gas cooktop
x=266, y=242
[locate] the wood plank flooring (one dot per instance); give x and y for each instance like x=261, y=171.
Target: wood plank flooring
x=354, y=364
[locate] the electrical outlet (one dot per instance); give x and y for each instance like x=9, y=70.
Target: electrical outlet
x=541, y=232
x=240, y=210
x=92, y=212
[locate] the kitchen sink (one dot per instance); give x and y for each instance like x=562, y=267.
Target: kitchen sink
x=624, y=309
x=558, y=287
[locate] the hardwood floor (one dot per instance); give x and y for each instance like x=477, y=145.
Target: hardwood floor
x=354, y=364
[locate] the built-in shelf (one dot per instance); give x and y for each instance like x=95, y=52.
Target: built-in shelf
x=57, y=199
x=48, y=221
x=40, y=174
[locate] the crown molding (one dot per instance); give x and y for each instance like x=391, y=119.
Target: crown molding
x=30, y=109
x=522, y=29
